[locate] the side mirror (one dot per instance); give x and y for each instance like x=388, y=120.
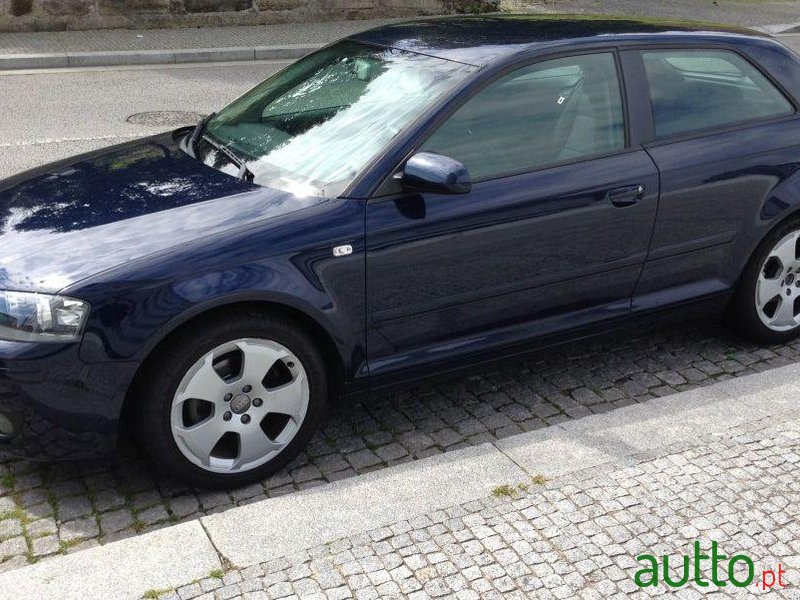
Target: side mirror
x=430, y=172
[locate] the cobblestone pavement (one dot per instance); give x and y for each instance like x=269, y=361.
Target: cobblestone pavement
x=573, y=537
x=46, y=510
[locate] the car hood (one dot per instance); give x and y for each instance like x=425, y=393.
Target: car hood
x=69, y=220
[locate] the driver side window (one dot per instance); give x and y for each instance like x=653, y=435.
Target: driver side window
x=545, y=113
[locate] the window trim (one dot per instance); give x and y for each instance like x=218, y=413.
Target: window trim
x=700, y=134
x=442, y=116
x=636, y=51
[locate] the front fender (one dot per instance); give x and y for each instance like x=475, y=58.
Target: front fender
x=132, y=312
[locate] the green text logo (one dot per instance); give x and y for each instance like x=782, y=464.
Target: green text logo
x=739, y=568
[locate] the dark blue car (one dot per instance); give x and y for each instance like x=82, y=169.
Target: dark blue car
x=409, y=201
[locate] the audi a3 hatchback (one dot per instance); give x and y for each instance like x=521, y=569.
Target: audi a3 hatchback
x=406, y=202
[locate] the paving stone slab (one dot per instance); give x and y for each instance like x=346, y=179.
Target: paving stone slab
x=126, y=569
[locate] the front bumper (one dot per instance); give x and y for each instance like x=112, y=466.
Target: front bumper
x=60, y=407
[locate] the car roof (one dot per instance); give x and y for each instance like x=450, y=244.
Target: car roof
x=478, y=40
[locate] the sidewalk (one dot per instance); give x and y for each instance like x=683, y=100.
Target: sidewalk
x=746, y=13
x=57, y=49
x=573, y=537
x=556, y=513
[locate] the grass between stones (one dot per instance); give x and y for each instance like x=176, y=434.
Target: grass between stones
x=154, y=593
x=8, y=481
x=513, y=491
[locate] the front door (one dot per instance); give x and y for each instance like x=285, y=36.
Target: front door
x=553, y=234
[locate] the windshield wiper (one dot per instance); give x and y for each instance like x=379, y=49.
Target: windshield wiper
x=198, y=132
x=244, y=171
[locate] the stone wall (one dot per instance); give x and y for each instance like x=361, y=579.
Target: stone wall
x=41, y=15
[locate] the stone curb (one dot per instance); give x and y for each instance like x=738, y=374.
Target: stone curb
x=278, y=527
x=152, y=57
x=259, y=532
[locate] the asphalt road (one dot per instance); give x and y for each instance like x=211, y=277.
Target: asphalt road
x=55, y=114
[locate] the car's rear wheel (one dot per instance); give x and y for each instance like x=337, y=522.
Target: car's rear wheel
x=230, y=402
x=766, y=307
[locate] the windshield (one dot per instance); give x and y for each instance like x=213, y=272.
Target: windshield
x=313, y=127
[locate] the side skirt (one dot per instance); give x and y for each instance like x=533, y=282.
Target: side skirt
x=714, y=304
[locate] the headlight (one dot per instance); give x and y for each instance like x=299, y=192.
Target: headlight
x=32, y=317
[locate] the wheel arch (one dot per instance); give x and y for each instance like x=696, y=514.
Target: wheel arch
x=743, y=313
x=327, y=346
x=763, y=233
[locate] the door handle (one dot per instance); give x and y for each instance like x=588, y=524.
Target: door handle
x=626, y=196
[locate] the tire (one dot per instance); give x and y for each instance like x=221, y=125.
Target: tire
x=207, y=385
x=774, y=267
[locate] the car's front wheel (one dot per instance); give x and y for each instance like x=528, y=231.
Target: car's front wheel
x=766, y=307
x=232, y=401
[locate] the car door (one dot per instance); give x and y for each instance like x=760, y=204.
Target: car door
x=553, y=234
x=722, y=131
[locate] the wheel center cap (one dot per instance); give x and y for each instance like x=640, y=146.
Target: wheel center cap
x=240, y=403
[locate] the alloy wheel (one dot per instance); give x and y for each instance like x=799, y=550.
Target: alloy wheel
x=778, y=286
x=239, y=405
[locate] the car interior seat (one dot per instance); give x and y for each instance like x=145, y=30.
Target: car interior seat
x=594, y=126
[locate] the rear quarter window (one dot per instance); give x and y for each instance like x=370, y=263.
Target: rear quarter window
x=696, y=90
